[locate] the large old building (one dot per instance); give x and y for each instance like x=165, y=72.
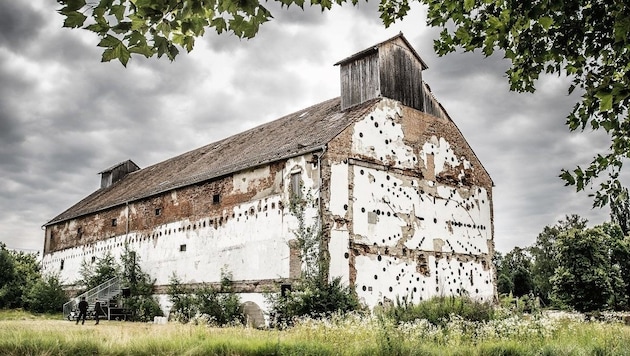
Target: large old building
x=404, y=204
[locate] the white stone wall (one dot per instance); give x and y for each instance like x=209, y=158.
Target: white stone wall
x=420, y=238
x=250, y=240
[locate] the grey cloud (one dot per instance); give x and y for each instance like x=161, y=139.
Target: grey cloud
x=19, y=23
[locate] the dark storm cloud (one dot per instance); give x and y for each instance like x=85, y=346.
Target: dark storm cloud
x=19, y=23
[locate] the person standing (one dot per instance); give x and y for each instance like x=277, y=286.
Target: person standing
x=98, y=310
x=83, y=307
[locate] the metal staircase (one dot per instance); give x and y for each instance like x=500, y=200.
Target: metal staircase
x=104, y=292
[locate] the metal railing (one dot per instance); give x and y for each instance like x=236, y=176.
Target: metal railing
x=104, y=292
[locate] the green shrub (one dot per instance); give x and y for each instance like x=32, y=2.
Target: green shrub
x=223, y=306
x=46, y=295
x=217, y=307
x=438, y=310
x=313, y=298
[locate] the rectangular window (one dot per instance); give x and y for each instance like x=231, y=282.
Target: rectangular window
x=296, y=184
x=216, y=199
x=93, y=259
x=61, y=266
x=114, y=222
x=182, y=248
x=79, y=232
x=158, y=211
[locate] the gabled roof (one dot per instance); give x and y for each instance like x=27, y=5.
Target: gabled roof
x=375, y=48
x=130, y=162
x=304, y=131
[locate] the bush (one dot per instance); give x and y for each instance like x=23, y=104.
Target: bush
x=438, y=310
x=222, y=306
x=46, y=295
x=145, y=308
x=217, y=307
x=313, y=298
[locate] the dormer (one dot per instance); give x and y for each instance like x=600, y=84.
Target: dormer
x=117, y=172
x=390, y=69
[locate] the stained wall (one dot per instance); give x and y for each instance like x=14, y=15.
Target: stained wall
x=239, y=223
x=410, y=209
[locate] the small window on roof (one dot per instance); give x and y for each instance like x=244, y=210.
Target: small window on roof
x=158, y=211
x=79, y=232
x=216, y=199
x=114, y=222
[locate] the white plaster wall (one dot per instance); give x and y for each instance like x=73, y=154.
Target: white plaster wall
x=339, y=255
x=387, y=278
x=250, y=242
x=392, y=209
x=338, y=203
x=380, y=137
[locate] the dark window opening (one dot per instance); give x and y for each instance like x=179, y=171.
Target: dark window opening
x=61, y=266
x=182, y=248
x=93, y=259
x=216, y=199
x=79, y=232
x=114, y=222
x=158, y=211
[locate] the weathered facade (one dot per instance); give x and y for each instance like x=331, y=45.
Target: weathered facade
x=404, y=203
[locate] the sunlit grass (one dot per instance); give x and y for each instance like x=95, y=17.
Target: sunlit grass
x=352, y=335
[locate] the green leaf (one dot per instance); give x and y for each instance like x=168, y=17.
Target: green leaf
x=137, y=22
x=119, y=52
x=567, y=177
x=74, y=5
x=74, y=19
x=605, y=100
x=545, y=22
x=109, y=41
x=143, y=49
x=219, y=24
x=118, y=11
x=468, y=5
x=98, y=28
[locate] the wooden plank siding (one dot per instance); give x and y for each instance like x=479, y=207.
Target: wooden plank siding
x=360, y=81
x=401, y=76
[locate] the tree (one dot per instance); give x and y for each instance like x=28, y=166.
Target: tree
x=620, y=210
x=46, y=295
x=141, y=302
x=159, y=27
x=184, y=306
x=545, y=253
x=586, y=279
x=94, y=274
x=586, y=40
x=20, y=270
x=8, y=287
x=514, y=272
x=619, y=247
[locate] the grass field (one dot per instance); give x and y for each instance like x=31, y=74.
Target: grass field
x=26, y=334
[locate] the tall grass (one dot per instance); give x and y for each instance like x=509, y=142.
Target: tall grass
x=438, y=310
x=347, y=335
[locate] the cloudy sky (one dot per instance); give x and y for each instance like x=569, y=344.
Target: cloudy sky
x=65, y=116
